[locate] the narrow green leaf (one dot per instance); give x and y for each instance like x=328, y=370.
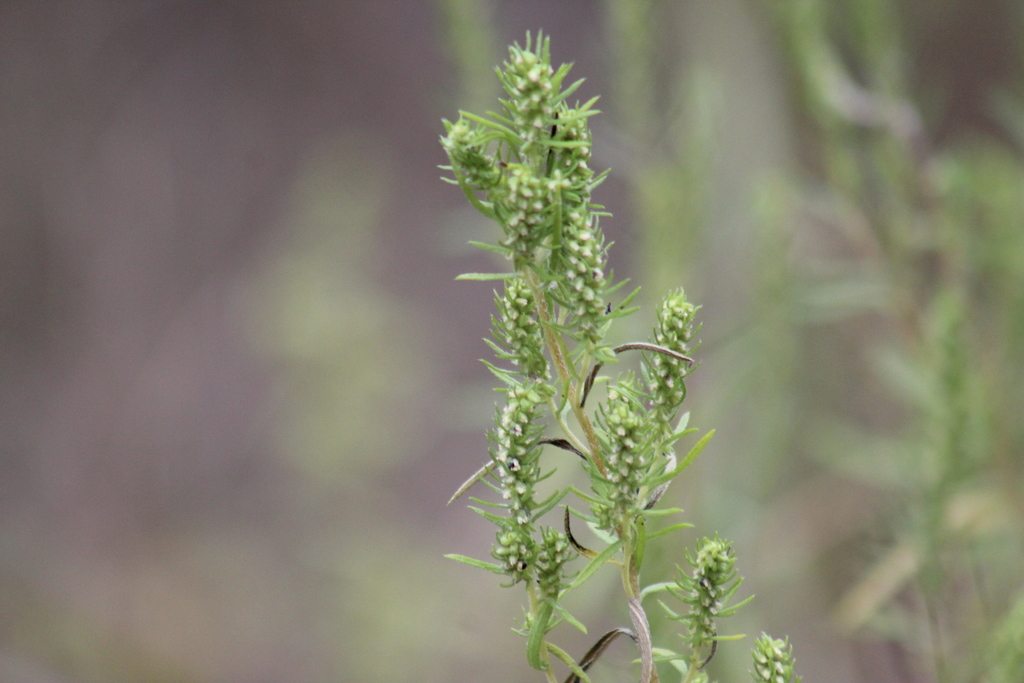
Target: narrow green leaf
x=665, y=655
x=501, y=119
x=569, y=662
x=671, y=614
x=558, y=76
x=618, y=285
x=601, y=177
x=495, y=519
x=483, y=207
x=570, y=144
x=622, y=312
x=551, y=502
x=489, y=247
x=663, y=512
x=485, y=276
x=586, y=499
x=680, y=665
x=538, y=629
x=670, y=529
x=490, y=124
x=479, y=564
x=732, y=608
x=542, y=478
x=564, y=329
x=686, y=462
x=655, y=588
x=581, y=112
x=676, y=435
x=502, y=374
x=487, y=503
x=466, y=485
x=565, y=614
x=684, y=420
x=571, y=89
x=629, y=297
x=641, y=543
x=596, y=564
x=498, y=351
x=601, y=533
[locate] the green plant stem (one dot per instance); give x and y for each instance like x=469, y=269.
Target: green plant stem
x=692, y=668
x=531, y=591
x=631, y=586
x=569, y=661
x=573, y=439
x=559, y=356
x=566, y=372
x=549, y=671
x=588, y=428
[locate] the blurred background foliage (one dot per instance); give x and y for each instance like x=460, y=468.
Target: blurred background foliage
x=239, y=383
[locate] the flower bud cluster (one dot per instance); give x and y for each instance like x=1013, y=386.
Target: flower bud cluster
x=553, y=552
x=665, y=374
x=626, y=455
x=533, y=168
x=517, y=328
x=467, y=154
x=773, y=661
x=514, y=548
x=582, y=255
x=525, y=207
x=528, y=80
x=515, y=449
x=709, y=590
x=582, y=260
x=573, y=161
x=570, y=159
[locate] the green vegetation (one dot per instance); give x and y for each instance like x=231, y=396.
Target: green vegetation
x=528, y=169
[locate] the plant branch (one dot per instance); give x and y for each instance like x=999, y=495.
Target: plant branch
x=566, y=371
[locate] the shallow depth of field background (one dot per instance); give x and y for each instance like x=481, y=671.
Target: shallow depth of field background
x=238, y=381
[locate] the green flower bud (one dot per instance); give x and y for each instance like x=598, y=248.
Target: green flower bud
x=515, y=549
x=773, y=661
x=515, y=450
x=528, y=79
x=517, y=328
x=581, y=262
x=553, y=553
x=709, y=590
x=665, y=375
x=573, y=162
x=525, y=208
x=466, y=153
x=627, y=455
x=675, y=321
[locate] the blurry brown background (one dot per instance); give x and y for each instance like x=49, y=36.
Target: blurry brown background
x=238, y=381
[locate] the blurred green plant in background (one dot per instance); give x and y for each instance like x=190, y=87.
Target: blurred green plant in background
x=930, y=246
x=321, y=317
